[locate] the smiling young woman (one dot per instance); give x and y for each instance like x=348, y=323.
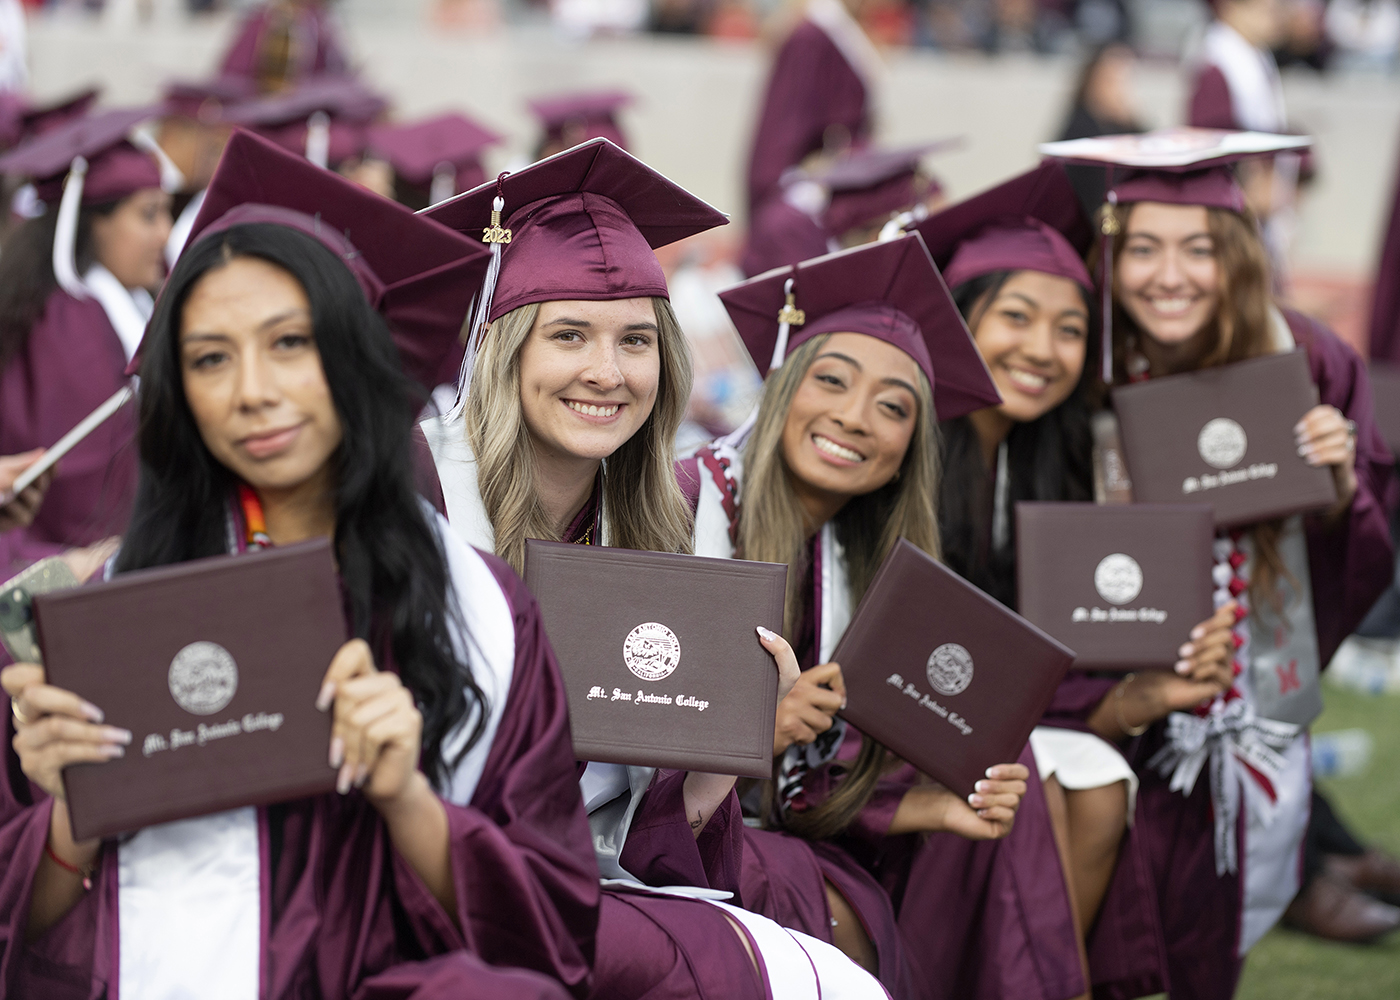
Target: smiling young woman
x=274, y=410
x=567, y=433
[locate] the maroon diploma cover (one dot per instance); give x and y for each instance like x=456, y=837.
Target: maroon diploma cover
x=945, y=676
x=214, y=665
x=659, y=655
x=1224, y=436
x=1120, y=584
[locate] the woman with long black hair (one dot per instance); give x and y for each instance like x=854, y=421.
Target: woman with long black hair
x=274, y=410
x=75, y=295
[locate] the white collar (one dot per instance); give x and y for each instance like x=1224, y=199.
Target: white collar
x=127, y=311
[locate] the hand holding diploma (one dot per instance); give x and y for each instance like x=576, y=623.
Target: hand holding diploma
x=987, y=814
x=1327, y=438
x=810, y=708
x=17, y=509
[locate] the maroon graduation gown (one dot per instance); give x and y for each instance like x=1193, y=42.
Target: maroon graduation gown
x=781, y=234
x=71, y=363
x=812, y=88
x=317, y=44
x=1169, y=853
x=342, y=910
x=1385, y=305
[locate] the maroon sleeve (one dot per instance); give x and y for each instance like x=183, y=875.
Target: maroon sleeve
x=425, y=474
x=241, y=57
x=522, y=857
x=1210, y=105
x=1385, y=307
x=812, y=87
x=1352, y=562
x=1076, y=698
x=661, y=849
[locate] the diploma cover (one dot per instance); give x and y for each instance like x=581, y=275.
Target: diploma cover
x=1224, y=436
x=214, y=665
x=659, y=655
x=945, y=676
x=1122, y=585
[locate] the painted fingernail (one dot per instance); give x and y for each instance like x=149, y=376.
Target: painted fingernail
x=975, y=801
x=981, y=786
x=327, y=695
x=1186, y=649
x=766, y=634
x=843, y=705
x=113, y=751
x=1198, y=632
x=342, y=780
x=991, y=772
x=1183, y=666
x=114, y=735
x=92, y=711
x=361, y=775
x=337, y=751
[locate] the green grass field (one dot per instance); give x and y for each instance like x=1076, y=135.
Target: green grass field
x=1289, y=966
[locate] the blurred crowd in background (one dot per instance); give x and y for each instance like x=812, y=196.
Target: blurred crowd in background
x=1325, y=35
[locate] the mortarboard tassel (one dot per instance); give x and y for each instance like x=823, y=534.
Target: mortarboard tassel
x=898, y=225
x=1108, y=227
x=496, y=237
x=65, y=237
x=318, y=139
x=172, y=178
x=788, y=317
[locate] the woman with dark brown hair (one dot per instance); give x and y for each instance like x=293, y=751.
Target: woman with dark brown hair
x=1191, y=290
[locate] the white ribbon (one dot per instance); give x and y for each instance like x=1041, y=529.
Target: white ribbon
x=1231, y=735
x=65, y=237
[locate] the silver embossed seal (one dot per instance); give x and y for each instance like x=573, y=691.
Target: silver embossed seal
x=950, y=669
x=1222, y=443
x=1118, y=578
x=203, y=678
x=651, y=651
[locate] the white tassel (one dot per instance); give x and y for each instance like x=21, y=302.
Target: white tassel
x=898, y=225
x=444, y=183
x=496, y=238
x=172, y=178
x=65, y=237
x=788, y=317
x=318, y=139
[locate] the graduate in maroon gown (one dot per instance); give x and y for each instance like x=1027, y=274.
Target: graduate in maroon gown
x=434, y=158
x=819, y=95
x=1191, y=290
x=569, y=119
x=74, y=300
x=282, y=42
x=839, y=204
x=575, y=358
x=1013, y=257
x=453, y=857
x=838, y=463
x=1385, y=305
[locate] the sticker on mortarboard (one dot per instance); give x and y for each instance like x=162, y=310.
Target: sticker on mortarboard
x=203, y=678
x=651, y=651
x=950, y=669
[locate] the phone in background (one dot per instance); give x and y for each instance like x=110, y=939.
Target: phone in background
x=17, y=605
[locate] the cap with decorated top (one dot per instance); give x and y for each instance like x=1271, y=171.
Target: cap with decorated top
x=579, y=116
x=1175, y=166
x=86, y=161
x=443, y=152
x=1032, y=222
x=891, y=291
x=417, y=273
x=581, y=224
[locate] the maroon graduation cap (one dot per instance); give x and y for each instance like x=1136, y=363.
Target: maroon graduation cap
x=21, y=119
x=86, y=161
x=418, y=274
x=1033, y=222
x=869, y=183
x=577, y=117
x=1175, y=166
x=441, y=152
x=207, y=100
x=581, y=224
x=891, y=291
x=326, y=118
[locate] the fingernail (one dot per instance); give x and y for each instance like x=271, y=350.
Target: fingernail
x=981, y=786
x=361, y=775
x=1303, y=451
x=113, y=751
x=765, y=634
x=975, y=801
x=1186, y=649
x=342, y=780
x=114, y=735
x=337, y=751
x=843, y=706
x=989, y=772
x=327, y=695
x=92, y=711
x=1183, y=666
x=1198, y=633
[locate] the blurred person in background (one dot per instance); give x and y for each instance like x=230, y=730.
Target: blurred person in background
x=14, y=64
x=282, y=42
x=192, y=135
x=1103, y=104
x=1366, y=33
x=820, y=95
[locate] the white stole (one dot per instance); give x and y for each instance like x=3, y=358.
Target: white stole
x=127, y=311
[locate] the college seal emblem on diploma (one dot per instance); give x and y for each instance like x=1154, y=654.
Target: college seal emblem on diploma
x=651, y=651
x=1222, y=443
x=1118, y=578
x=203, y=678
x=950, y=669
